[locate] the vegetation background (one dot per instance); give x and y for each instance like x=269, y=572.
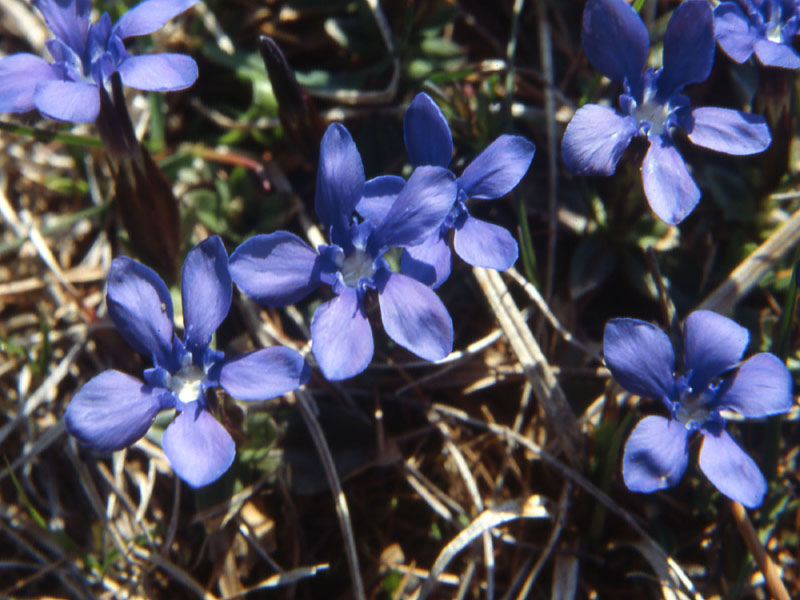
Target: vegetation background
x=497, y=469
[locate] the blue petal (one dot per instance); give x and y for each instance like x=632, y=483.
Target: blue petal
x=670, y=190
x=264, y=374
x=482, y=244
x=379, y=195
x=68, y=100
x=497, y=169
x=149, y=16
x=731, y=470
x=771, y=54
x=414, y=316
x=429, y=262
x=640, y=357
x=733, y=31
x=206, y=291
x=275, y=269
x=595, y=139
x=140, y=306
x=688, y=47
x=761, y=387
x=341, y=337
x=712, y=344
x=427, y=134
x=158, y=72
x=727, y=130
x=197, y=447
x=340, y=181
x=99, y=32
x=656, y=454
x=19, y=74
x=419, y=209
x=69, y=20
x=111, y=411
x=615, y=41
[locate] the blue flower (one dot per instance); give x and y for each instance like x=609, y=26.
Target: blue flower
x=113, y=409
x=85, y=55
x=493, y=173
x=711, y=380
x=765, y=28
x=279, y=268
x=616, y=42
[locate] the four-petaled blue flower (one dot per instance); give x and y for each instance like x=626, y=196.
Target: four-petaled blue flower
x=85, y=55
x=113, y=409
x=279, y=268
x=617, y=44
x=493, y=173
x=765, y=28
x=642, y=360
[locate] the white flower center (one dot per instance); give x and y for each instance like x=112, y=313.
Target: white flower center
x=359, y=264
x=185, y=384
x=692, y=411
x=654, y=113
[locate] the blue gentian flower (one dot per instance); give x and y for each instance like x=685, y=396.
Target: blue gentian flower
x=765, y=28
x=616, y=42
x=710, y=381
x=114, y=409
x=279, y=268
x=84, y=57
x=493, y=173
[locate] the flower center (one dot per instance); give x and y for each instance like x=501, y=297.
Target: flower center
x=692, y=412
x=186, y=383
x=359, y=264
x=652, y=112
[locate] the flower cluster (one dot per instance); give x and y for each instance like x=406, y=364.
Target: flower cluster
x=113, y=409
x=421, y=218
x=765, y=28
x=86, y=54
x=279, y=268
x=711, y=381
x=617, y=44
x=493, y=174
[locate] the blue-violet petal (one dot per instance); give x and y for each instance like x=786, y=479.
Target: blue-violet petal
x=497, y=169
x=275, y=269
x=414, y=316
x=149, y=16
x=427, y=134
x=712, y=344
x=111, y=411
x=140, y=306
x=264, y=374
x=206, y=291
x=595, y=139
x=341, y=336
x=670, y=190
x=656, y=454
x=198, y=448
x=731, y=470
x=761, y=387
x=640, y=357
x=482, y=244
x=158, y=72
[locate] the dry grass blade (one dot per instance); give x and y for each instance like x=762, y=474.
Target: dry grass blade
x=545, y=385
x=174, y=571
x=750, y=271
x=580, y=481
x=773, y=579
x=532, y=507
x=304, y=402
x=670, y=586
x=281, y=579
